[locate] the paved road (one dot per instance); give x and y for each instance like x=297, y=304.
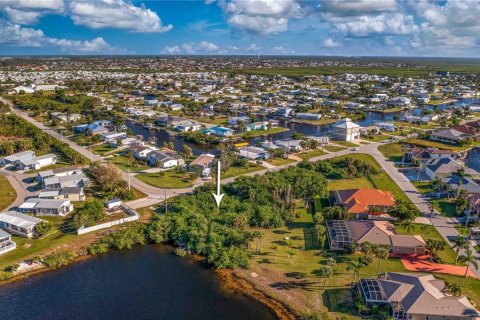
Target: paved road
x=155, y=195
x=22, y=188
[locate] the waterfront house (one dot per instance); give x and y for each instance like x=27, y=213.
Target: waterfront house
x=285, y=112
x=19, y=223
x=221, y=131
x=188, y=126
x=6, y=243
x=202, y=163
x=46, y=207
x=346, y=130
x=343, y=233
x=114, y=136
x=260, y=125
x=416, y=296
x=253, y=153
x=363, y=203
x=308, y=116
x=140, y=152
x=233, y=121
x=163, y=159
x=289, y=145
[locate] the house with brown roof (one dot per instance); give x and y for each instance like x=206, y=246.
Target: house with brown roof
x=342, y=233
x=363, y=203
x=416, y=296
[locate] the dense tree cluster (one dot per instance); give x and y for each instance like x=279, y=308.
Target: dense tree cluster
x=343, y=168
x=88, y=214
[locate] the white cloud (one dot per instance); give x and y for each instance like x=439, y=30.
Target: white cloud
x=261, y=16
x=29, y=11
x=116, y=14
x=383, y=24
x=283, y=50
x=253, y=48
x=15, y=35
x=202, y=47
x=330, y=43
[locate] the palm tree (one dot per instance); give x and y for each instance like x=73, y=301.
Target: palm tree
x=468, y=258
x=355, y=265
x=460, y=243
x=366, y=248
x=275, y=249
x=326, y=272
x=382, y=254
x=289, y=243
x=291, y=253
x=407, y=225
x=461, y=174
x=431, y=208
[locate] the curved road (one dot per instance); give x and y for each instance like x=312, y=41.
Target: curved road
x=155, y=195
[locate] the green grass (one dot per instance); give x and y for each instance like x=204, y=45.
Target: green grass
x=346, y=143
x=446, y=207
x=122, y=163
x=447, y=255
x=392, y=151
x=7, y=193
x=381, y=180
x=217, y=121
x=376, y=138
x=470, y=286
x=334, y=148
x=235, y=171
x=166, y=179
x=257, y=133
x=311, y=154
x=280, y=162
x=81, y=139
x=435, y=144
x=342, y=184
x=103, y=149
x=423, y=186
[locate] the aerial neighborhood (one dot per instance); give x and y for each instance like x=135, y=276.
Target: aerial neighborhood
x=362, y=189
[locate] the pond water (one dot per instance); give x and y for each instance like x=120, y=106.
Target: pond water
x=145, y=283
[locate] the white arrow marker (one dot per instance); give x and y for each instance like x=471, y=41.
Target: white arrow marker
x=218, y=197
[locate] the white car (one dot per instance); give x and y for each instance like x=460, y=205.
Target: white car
x=356, y=149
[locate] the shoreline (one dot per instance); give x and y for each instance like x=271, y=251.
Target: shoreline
x=230, y=280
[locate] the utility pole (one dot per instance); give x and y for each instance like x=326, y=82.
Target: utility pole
x=128, y=172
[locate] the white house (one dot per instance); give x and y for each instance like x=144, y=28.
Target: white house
x=233, y=121
x=113, y=136
x=140, y=152
x=308, y=116
x=11, y=159
x=46, y=207
x=162, y=159
x=387, y=126
x=6, y=243
x=346, y=130
x=19, y=223
x=253, y=153
x=36, y=162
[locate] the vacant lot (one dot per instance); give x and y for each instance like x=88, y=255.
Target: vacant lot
x=7, y=193
x=167, y=179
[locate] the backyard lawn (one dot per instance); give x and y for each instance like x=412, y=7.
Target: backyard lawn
x=103, y=149
x=280, y=162
x=7, y=193
x=380, y=180
x=439, y=145
x=376, y=137
x=257, y=133
x=392, y=151
x=167, y=179
x=235, y=171
x=447, y=207
x=311, y=154
x=334, y=148
x=122, y=163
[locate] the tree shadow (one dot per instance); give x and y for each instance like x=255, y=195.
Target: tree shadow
x=339, y=300
x=291, y=285
x=280, y=231
x=296, y=275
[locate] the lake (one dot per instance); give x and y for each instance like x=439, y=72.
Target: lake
x=147, y=282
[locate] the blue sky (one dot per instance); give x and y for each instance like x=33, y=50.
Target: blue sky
x=281, y=27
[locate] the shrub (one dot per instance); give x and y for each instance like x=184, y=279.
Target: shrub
x=59, y=259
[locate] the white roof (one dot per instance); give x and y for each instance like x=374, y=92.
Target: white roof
x=19, y=219
x=346, y=124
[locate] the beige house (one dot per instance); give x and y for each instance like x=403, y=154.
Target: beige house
x=415, y=296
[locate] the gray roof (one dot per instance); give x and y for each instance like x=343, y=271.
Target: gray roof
x=19, y=219
x=420, y=294
x=4, y=234
x=443, y=165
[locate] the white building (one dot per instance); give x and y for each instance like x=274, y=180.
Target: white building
x=346, y=130
x=19, y=223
